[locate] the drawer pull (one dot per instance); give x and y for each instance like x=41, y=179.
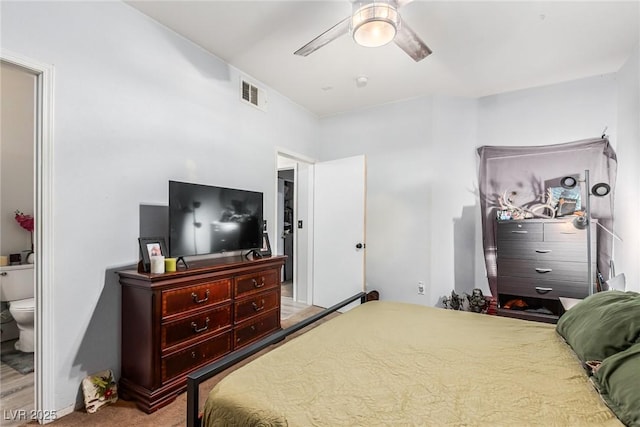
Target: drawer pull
x=543, y=251
x=200, y=301
x=519, y=231
x=544, y=270
x=255, y=306
x=253, y=328
x=542, y=290
x=197, y=330
x=256, y=284
x=193, y=354
x=568, y=232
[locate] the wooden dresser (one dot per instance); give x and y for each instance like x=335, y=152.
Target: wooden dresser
x=175, y=323
x=540, y=260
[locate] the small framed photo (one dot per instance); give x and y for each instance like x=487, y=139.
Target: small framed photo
x=265, y=250
x=151, y=246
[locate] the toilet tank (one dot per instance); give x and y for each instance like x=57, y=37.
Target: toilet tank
x=16, y=282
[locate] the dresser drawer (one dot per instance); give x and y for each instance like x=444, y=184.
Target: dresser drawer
x=256, y=304
x=546, y=289
x=547, y=270
x=193, y=297
x=521, y=231
x=256, y=282
x=545, y=251
x=195, y=327
x=190, y=358
x=564, y=232
x=256, y=328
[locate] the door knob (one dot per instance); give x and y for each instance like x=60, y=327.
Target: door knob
x=360, y=246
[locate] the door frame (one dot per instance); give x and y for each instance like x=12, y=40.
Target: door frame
x=43, y=232
x=298, y=158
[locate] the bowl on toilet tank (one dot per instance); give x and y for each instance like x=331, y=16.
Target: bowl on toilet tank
x=16, y=282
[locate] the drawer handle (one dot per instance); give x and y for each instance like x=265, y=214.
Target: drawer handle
x=544, y=270
x=197, y=330
x=255, y=306
x=253, y=328
x=519, y=231
x=193, y=354
x=542, y=290
x=256, y=284
x=543, y=251
x=200, y=301
x=568, y=232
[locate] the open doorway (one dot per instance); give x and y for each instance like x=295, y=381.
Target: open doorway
x=42, y=169
x=17, y=302
x=293, y=231
x=286, y=189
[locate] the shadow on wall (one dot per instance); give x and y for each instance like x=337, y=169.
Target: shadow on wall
x=464, y=257
x=100, y=346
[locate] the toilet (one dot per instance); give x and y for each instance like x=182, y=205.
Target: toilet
x=17, y=289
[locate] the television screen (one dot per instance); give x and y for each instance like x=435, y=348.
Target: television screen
x=205, y=219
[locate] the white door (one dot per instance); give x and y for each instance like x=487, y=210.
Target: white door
x=339, y=230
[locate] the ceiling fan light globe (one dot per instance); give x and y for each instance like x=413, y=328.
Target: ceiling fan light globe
x=374, y=24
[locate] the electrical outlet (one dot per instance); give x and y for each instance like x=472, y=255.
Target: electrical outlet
x=420, y=288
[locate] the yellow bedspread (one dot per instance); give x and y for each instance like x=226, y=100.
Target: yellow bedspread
x=395, y=364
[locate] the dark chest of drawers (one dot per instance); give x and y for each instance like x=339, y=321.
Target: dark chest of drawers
x=540, y=260
x=175, y=323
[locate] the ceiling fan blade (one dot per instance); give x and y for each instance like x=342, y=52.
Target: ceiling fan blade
x=409, y=41
x=331, y=34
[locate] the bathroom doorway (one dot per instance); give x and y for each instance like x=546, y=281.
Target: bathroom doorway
x=17, y=194
x=41, y=168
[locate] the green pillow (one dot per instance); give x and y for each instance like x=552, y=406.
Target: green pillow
x=618, y=381
x=602, y=324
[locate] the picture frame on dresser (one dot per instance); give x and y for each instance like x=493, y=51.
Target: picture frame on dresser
x=151, y=246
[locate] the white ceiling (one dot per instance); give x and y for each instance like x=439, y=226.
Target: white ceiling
x=480, y=47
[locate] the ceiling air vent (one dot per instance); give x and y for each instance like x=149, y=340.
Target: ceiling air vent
x=253, y=95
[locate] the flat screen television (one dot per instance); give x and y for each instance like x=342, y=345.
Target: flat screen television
x=205, y=219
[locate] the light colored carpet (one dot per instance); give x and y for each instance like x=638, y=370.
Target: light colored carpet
x=124, y=413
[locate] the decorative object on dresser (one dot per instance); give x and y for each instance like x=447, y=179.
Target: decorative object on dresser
x=175, y=323
x=540, y=260
x=266, y=245
x=150, y=247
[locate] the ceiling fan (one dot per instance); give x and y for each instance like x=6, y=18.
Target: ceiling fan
x=373, y=23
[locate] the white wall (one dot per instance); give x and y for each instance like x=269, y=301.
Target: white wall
x=135, y=106
x=420, y=175
x=16, y=155
x=627, y=252
x=552, y=114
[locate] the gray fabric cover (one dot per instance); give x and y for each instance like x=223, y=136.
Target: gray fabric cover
x=529, y=171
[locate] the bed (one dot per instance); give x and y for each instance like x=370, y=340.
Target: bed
x=386, y=363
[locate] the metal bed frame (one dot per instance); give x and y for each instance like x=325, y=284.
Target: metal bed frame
x=197, y=377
